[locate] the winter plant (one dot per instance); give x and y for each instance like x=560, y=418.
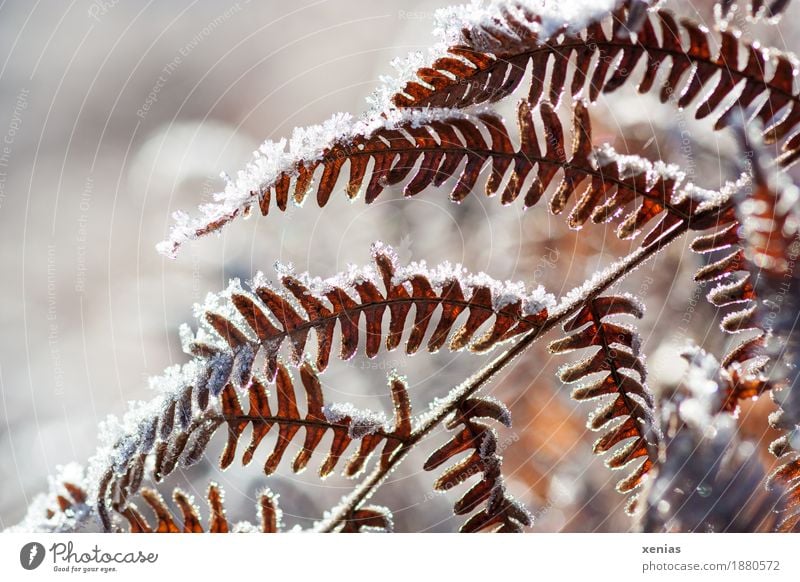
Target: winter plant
x=259, y=349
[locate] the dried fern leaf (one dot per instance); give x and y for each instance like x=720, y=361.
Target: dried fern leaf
x=754, y=275
x=625, y=415
x=185, y=445
x=190, y=521
x=274, y=316
x=429, y=147
x=727, y=268
x=491, y=60
x=500, y=512
x=242, y=331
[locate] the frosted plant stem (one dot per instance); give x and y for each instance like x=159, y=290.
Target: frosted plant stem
x=575, y=300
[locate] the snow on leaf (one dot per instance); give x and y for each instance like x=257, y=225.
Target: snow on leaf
x=362, y=422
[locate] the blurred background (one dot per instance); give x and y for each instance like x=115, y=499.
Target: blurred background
x=115, y=113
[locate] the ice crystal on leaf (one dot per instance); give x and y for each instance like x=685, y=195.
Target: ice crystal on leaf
x=361, y=422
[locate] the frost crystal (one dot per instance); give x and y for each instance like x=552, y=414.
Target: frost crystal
x=482, y=18
x=71, y=519
x=361, y=422
x=702, y=382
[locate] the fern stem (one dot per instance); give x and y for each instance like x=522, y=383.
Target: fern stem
x=483, y=376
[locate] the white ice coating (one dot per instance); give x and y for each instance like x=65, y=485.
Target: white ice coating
x=503, y=293
x=553, y=16
x=362, y=422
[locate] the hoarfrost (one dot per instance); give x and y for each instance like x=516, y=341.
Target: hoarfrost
x=309, y=144
x=702, y=382
x=72, y=519
x=483, y=19
x=362, y=422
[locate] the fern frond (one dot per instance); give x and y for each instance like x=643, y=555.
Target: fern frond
x=184, y=435
x=754, y=276
x=729, y=269
x=189, y=522
x=631, y=400
x=770, y=239
x=733, y=290
x=502, y=512
x=431, y=146
x=271, y=316
x=491, y=60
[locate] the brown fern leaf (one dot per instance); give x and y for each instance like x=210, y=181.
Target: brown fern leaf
x=433, y=145
x=491, y=63
x=437, y=144
x=734, y=290
x=67, y=501
x=190, y=520
x=184, y=435
x=501, y=513
x=273, y=316
x=370, y=518
x=744, y=362
x=630, y=400
x=754, y=274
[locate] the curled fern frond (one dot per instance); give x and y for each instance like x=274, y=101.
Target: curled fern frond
x=634, y=437
x=491, y=61
x=501, y=513
x=733, y=289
